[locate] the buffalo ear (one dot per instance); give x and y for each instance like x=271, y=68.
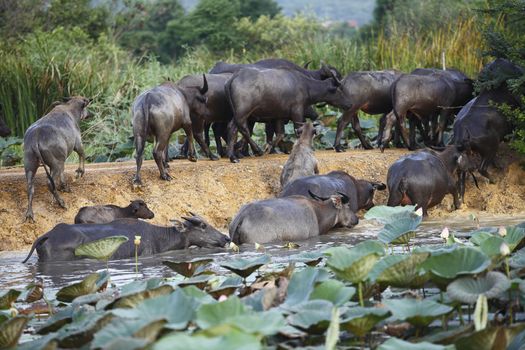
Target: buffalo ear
x=337, y=201
x=179, y=225
x=378, y=186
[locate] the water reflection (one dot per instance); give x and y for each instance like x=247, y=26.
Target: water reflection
x=14, y=274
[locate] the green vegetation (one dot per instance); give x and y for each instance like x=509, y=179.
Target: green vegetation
x=111, y=53
x=202, y=305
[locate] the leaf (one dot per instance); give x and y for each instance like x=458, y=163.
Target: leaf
x=416, y=312
x=385, y=214
x=468, y=289
x=400, y=271
x=312, y=316
x=333, y=291
x=491, y=246
x=360, y=320
x=209, y=315
x=200, y=281
x=354, y=264
x=79, y=332
x=490, y=338
x=87, y=286
x=188, y=268
x=101, y=249
x=235, y=340
x=308, y=258
x=11, y=330
x=397, y=344
x=245, y=267
x=57, y=320
x=121, y=329
x=134, y=293
x=8, y=298
x=479, y=237
x=302, y=283
x=400, y=230
x=47, y=342
x=332, y=334
x=517, y=260
x=481, y=313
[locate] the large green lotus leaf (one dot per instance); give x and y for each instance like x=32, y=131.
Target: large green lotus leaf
x=245, y=267
x=227, y=287
x=468, y=289
x=400, y=230
x=102, y=298
x=517, y=343
x=57, y=320
x=235, y=340
x=491, y=246
x=435, y=250
x=140, y=286
x=126, y=343
x=398, y=344
x=47, y=342
x=176, y=308
x=79, y=332
x=449, y=336
x=478, y=237
x=514, y=236
x=333, y=291
x=400, y=271
x=354, y=264
x=11, y=330
x=360, y=320
x=188, y=268
x=308, y=258
x=87, y=286
x=101, y=249
x=133, y=299
x=417, y=312
x=302, y=284
x=144, y=329
x=4, y=316
x=213, y=314
x=8, y=298
x=199, y=281
x=517, y=260
x=460, y=261
x=264, y=323
x=490, y=338
x=312, y=316
x=385, y=214
x=32, y=292
x=199, y=295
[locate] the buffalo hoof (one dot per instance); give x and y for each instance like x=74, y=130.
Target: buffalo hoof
x=166, y=177
x=192, y=158
x=61, y=202
x=137, y=182
x=214, y=157
x=234, y=160
x=339, y=148
x=166, y=165
x=382, y=148
x=80, y=172
x=366, y=145
x=30, y=218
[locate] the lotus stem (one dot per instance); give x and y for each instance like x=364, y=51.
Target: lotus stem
x=136, y=262
x=460, y=314
x=360, y=291
x=507, y=269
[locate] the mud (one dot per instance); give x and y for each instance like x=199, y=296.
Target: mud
x=216, y=190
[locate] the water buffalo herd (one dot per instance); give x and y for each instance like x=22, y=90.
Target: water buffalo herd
x=231, y=98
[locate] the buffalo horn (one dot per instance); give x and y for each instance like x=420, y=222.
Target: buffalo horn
x=316, y=197
x=307, y=64
x=204, y=88
x=344, y=198
x=193, y=220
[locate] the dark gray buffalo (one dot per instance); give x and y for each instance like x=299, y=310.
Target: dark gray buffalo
x=49, y=141
x=359, y=192
x=60, y=243
x=425, y=177
x=291, y=218
x=370, y=93
x=100, y=214
x=273, y=94
x=422, y=97
x=302, y=161
x=4, y=128
x=481, y=124
x=161, y=111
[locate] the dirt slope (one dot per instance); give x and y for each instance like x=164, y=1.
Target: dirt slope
x=216, y=190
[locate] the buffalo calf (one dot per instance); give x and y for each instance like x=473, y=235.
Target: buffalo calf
x=100, y=214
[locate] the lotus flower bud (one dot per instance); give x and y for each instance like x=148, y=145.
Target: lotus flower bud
x=419, y=212
x=234, y=247
x=13, y=311
x=504, y=249
x=502, y=231
x=259, y=247
x=223, y=298
x=445, y=233
x=137, y=240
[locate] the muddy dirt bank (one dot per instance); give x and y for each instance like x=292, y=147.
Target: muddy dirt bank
x=216, y=190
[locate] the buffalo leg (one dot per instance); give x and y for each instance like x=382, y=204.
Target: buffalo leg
x=444, y=118
x=412, y=130
x=30, y=170
x=159, y=152
x=342, y=123
x=245, y=132
x=139, y=147
x=400, y=122
x=219, y=130
x=191, y=147
x=79, y=148
x=55, y=179
x=232, y=139
x=198, y=133
x=357, y=129
x=390, y=121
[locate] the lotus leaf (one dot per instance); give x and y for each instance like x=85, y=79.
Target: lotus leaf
x=47, y=342
x=176, y=308
x=478, y=237
x=490, y=338
x=514, y=236
x=334, y=291
x=79, y=332
x=32, y=292
x=400, y=230
x=517, y=343
x=517, y=260
x=200, y=296
x=460, y=261
x=264, y=323
x=87, y=286
x=360, y=320
x=385, y=214
x=200, y=281
x=126, y=343
x=57, y=320
x=101, y=249
x=467, y=289
x=400, y=271
x=227, y=287
x=491, y=247
x=245, y=267
x=107, y=297
x=396, y=344
x=308, y=258
x=417, y=312
x=302, y=284
x=449, y=336
x=312, y=316
x=8, y=298
x=354, y=264
x=234, y=340
x=213, y=314
x=140, y=286
x=11, y=330
x=133, y=299
x=147, y=330
x=188, y=268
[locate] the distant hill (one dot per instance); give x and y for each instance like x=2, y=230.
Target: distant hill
x=359, y=11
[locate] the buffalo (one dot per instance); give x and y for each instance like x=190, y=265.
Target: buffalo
x=291, y=218
x=481, y=124
x=49, y=141
x=425, y=177
x=161, y=111
x=100, y=214
x=302, y=161
x=359, y=192
x=279, y=93
x=370, y=93
x=60, y=243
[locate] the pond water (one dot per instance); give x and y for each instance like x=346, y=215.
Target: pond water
x=14, y=274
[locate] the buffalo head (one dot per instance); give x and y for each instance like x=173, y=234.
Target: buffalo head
x=141, y=210
x=200, y=233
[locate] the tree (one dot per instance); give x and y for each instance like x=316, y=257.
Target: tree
x=257, y=8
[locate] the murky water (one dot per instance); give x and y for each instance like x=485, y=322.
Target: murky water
x=14, y=274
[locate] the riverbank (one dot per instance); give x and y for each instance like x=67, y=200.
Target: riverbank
x=216, y=190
